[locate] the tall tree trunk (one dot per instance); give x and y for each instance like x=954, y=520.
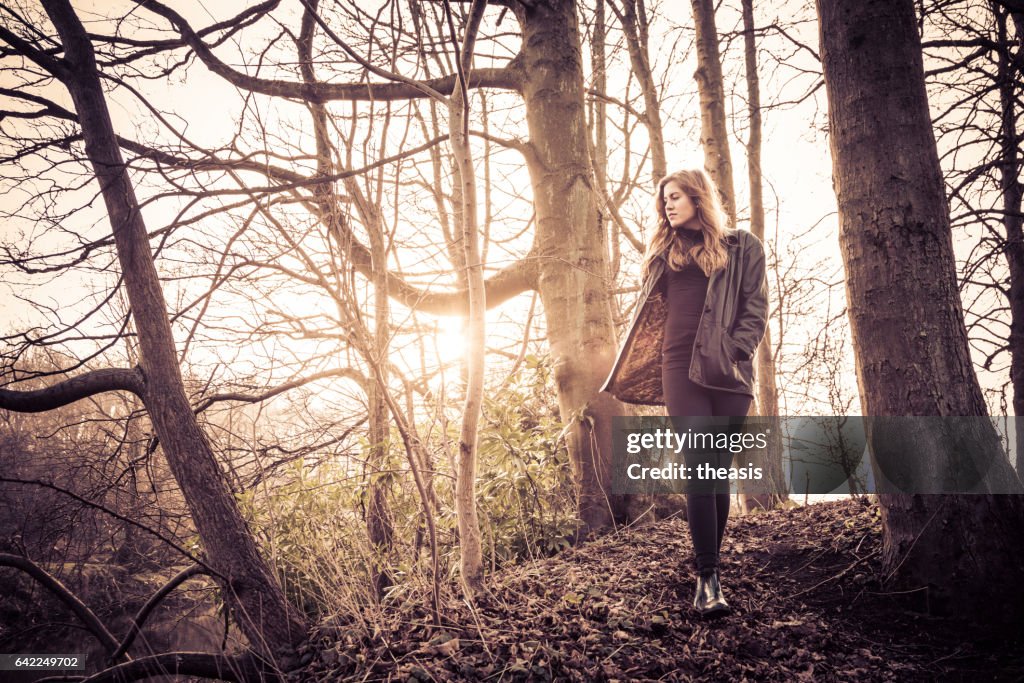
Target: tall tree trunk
x=599, y=126
x=905, y=312
x=465, y=482
x=772, y=490
x=714, y=138
x=570, y=249
x=633, y=18
x=379, y=519
x=1010, y=139
x=714, y=135
x=379, y=527
x=248, y=585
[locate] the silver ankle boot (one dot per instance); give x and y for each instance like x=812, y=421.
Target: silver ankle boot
x=709, y=600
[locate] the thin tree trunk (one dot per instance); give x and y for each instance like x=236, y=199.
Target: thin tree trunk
x=599, y=126
x=1010, y=140
x=465, y=482
x=379, y=527
x=714, y=134
x=961, y=552
x=772, y=489
x=714, y=138
x=379, y=524
x=248, y=585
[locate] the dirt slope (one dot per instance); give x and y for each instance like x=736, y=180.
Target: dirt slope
x=806, y=606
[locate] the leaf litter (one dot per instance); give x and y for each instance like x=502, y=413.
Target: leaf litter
x=806, y=602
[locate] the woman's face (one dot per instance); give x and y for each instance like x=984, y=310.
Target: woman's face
x=679, y=209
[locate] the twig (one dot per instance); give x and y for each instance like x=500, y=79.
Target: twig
x=833, y=578
x=152, y=603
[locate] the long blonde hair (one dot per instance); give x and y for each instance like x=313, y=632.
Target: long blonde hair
x=710, y=254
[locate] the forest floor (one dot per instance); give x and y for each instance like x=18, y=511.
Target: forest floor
x=806, y=606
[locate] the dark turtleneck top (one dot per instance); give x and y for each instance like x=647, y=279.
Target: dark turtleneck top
x=685, y=292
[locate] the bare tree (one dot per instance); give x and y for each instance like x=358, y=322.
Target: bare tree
x=568, y=273
x=767, y=391
x=907, y=322
x=974, y=60
x=465, y=498
x=272, y=626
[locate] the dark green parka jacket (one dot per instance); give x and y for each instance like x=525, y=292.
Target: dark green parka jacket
x=730, y=329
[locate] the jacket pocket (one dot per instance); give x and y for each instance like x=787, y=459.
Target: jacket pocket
x=719, y=370
x=729, y=347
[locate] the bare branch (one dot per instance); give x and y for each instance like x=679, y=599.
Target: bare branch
x=52, y=65
x=86, y=615
x=127, y=520
x=74, y=389
x=280, y=389
x=507, y=77
x=151, y=604
x=241, y=669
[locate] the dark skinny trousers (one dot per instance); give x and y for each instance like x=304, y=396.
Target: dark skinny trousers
x=706, y=513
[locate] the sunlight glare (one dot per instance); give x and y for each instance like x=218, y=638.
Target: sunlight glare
x=450, y=338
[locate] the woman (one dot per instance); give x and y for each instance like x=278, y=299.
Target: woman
x=702, y=313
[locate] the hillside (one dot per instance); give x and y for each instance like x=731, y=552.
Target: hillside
x=806, y=606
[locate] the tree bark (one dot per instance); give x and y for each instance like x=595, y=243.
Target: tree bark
x=73, y=389
x=248, y=585
x=1010, y=139
x=714, y=135
x=906, y=318
x=471, y=553
x=570, y=249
